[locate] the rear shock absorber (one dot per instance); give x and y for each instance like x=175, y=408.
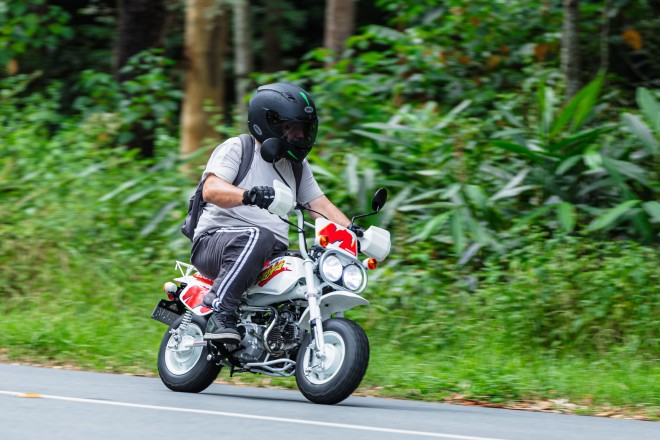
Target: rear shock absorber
x=185, y=322
x=178, y=333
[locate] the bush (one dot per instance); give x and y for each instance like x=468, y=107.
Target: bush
x=577, y=295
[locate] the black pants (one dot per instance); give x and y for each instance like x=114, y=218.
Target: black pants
x=232, y=257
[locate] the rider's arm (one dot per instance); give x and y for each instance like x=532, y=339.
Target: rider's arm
x=222, y=193
x=323, y=205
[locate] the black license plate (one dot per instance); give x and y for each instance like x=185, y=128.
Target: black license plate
x=166, y=312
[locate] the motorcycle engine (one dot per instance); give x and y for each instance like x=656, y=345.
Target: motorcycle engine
x=252, y=338
x=283, y=336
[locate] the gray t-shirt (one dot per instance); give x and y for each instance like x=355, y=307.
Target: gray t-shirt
x=224, y=163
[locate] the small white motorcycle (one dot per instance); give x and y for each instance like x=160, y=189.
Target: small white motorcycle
x=290, y=321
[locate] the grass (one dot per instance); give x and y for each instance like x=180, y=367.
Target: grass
x=89, y=310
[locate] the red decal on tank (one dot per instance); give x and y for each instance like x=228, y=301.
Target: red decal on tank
x=270, y=272
x=342, y=236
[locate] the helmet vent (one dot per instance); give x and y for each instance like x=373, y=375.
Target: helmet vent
x=289, y=96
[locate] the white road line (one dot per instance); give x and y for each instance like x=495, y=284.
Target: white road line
x=251, y=416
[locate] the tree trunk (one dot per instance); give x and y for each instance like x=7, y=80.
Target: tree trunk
x=141, y=26
x=339, y=24
x=655, y=7
x=243, y=65
x=271, y=36
x=570, y=47
x=205, y=47
x=604, y=37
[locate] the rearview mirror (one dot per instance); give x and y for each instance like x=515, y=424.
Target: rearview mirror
x=379, y=199
x=270, y=149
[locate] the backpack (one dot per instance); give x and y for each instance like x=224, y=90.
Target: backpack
x=197, y=203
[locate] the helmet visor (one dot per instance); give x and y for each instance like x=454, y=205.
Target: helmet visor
x=300, y=134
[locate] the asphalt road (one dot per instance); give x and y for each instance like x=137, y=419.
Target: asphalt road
x=44, y=404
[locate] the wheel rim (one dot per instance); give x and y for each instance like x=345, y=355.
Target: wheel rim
x=183, y=358
x=319, y=373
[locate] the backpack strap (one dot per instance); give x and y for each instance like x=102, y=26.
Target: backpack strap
x=297, y=174
x=247, y=141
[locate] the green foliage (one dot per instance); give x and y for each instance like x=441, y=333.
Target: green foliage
x=51, y=177
x=151, y=98
x=459, y=118
x=558, y=295
x=470, y=177
x=493, y=374
x=474, y=52
x=593, y=169
x=26, y=26
x=575, y=295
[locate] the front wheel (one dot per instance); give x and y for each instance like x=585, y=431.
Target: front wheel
x=182, y=366
x=334, y=378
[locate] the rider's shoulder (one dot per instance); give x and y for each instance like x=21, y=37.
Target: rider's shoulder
x=230, y=146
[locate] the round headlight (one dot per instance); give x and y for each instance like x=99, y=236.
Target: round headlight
x=353, y=277
x=332, y=268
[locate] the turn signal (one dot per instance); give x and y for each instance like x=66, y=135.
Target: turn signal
x=324, y=241
x=370, y=263
x=170, y=289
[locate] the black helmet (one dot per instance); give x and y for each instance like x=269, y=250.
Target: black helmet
x=285, y=112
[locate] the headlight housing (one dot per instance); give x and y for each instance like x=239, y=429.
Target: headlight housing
x=342, y=272
x=332, y=268
x=353, y=277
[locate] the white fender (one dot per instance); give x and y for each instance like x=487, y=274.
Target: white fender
x=331, y=303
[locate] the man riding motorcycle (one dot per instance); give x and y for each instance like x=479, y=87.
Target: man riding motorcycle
x=236, y=234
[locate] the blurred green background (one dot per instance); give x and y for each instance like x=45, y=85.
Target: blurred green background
x=524, y=210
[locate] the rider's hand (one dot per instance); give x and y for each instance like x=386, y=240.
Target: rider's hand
x=357, y=230
x=260, y=196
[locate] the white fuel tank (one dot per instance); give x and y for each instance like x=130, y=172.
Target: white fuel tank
x=278, y=281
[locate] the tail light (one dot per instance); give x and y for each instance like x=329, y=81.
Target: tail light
x=170, y=288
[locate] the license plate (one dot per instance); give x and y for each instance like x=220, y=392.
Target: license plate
x=166, y=312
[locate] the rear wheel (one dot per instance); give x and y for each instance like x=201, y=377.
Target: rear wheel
x=182, y=366
x=334, y=378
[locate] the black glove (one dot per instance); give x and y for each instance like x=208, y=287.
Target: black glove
x=357, y=230
x=260, y=196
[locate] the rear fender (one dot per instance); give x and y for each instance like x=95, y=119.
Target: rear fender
x=193, y=296
x=332, y=303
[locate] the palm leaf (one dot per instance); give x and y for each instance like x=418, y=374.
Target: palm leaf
x=578, y=108
x=452, y=114
x=160, y=215
x=567, y=216
x=578, y=142
x=650, y=107
x=381, y=138
x=653, y=210
x=457, y=234
x=534, y=214
x=642, y=131
x=518, y=149
x=546, y=98
x=432, y=226
x=611, y=215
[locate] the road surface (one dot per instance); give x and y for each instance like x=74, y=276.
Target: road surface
x=45, y=404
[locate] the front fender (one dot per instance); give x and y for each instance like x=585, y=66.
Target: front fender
x=337, y=301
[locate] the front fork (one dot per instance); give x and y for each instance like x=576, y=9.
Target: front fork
x=315, y=322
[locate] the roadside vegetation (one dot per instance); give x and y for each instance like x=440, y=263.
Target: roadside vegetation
x=525, y=262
